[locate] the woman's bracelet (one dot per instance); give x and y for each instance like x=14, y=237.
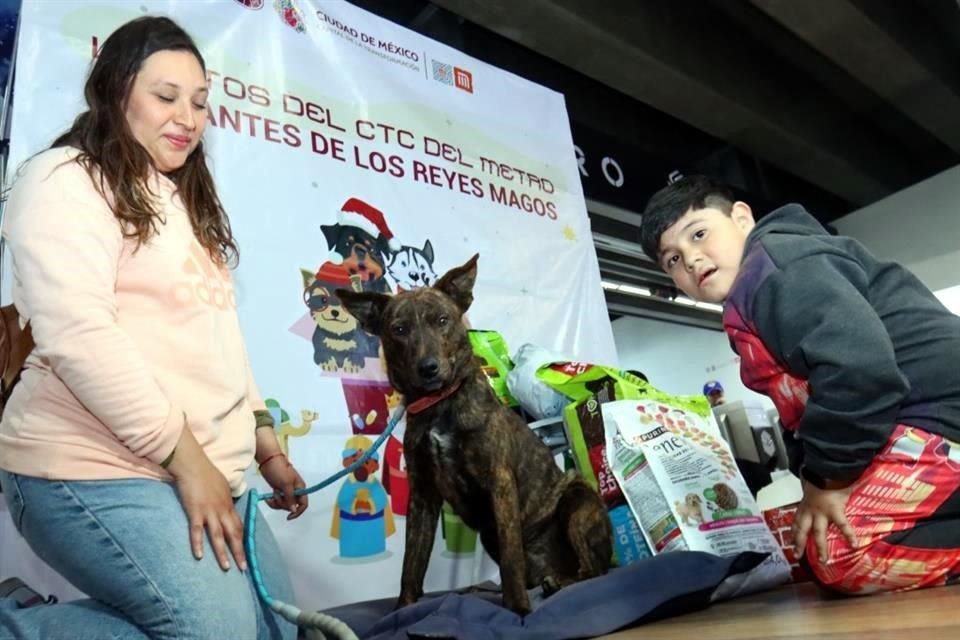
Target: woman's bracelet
x=270, y=457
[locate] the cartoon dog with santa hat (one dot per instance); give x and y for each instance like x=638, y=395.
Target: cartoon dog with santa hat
x=361, y=242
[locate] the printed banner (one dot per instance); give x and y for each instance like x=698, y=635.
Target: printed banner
x=351, y=152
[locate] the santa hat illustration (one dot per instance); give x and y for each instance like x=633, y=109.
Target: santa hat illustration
x=357, y=213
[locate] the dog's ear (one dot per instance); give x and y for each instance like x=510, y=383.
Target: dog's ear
x=383, y=247
x=367, y=307
x=308, y=277
x=428, y=251
x=331, y=232
x=458, y=283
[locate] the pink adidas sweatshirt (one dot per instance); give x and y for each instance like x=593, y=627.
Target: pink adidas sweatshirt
x=131, y=345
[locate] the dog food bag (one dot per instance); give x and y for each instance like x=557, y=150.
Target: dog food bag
x=583, y=423
x=631, y=470
x=491, y=348
x=537, y=398
x=682, y=483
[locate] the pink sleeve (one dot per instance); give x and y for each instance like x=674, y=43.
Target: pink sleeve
x=253, y=393
x=66, y=246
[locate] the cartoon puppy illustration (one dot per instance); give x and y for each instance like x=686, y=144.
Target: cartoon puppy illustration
x=360, y=242
x=411, y=268
x=338, y=342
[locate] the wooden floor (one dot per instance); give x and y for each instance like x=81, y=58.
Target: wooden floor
x=799, y=611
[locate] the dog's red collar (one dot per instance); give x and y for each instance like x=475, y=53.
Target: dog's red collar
x=424, y=403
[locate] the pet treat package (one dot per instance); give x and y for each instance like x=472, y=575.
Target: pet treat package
x=577, y=380
x=538, y=399
x=491, y=348
x=780, y=520
x=629, y=543
x=583, y=423
x=591, y=386
x=683, y=485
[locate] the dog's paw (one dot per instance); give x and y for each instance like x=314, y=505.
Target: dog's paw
x=330, y=365
x=404, y=601
x=351, y=367
x=520, y=609
x=520, y=605
x=550, y=586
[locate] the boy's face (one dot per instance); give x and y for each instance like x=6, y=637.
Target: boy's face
x=702, y=251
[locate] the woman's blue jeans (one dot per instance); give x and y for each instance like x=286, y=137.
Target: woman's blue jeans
x=125, y=543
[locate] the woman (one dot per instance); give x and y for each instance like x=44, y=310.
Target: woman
x=124, y=446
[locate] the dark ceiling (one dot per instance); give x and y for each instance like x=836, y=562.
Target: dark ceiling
x=831, y=103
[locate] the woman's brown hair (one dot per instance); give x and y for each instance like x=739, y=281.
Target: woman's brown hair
x=118, y=164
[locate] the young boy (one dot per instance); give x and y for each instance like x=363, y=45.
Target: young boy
x=861, y=361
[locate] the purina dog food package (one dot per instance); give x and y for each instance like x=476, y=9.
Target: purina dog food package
x=683, y=486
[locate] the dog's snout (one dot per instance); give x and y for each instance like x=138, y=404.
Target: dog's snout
x=414, y=276
x=428, y=368
x=334, y=313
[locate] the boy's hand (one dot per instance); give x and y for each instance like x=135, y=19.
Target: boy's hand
x=818, y=509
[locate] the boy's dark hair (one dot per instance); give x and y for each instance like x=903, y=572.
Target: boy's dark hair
x=670, y=203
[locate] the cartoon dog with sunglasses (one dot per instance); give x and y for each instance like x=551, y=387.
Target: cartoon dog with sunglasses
x=338, y=342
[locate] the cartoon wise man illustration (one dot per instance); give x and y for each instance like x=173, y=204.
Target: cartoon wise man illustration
x=362, y=518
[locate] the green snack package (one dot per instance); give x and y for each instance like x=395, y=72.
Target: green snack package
x=491, y=349
x=578, y=381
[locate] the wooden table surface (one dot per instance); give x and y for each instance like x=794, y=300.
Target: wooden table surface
x=799, y=611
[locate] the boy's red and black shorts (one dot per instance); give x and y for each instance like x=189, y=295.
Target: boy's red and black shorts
x=905, y=511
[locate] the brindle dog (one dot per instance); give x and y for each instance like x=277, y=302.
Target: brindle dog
x=543, y=527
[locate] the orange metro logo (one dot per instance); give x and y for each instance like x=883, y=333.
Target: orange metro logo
x=463, y=79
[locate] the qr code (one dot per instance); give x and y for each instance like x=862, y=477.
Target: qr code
x=443, y=72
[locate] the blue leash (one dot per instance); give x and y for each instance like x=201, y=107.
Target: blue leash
x=315, y=620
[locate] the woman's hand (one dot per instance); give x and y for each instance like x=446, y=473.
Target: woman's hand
x=279, y=474
x=205, y=496
x=284, y=479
